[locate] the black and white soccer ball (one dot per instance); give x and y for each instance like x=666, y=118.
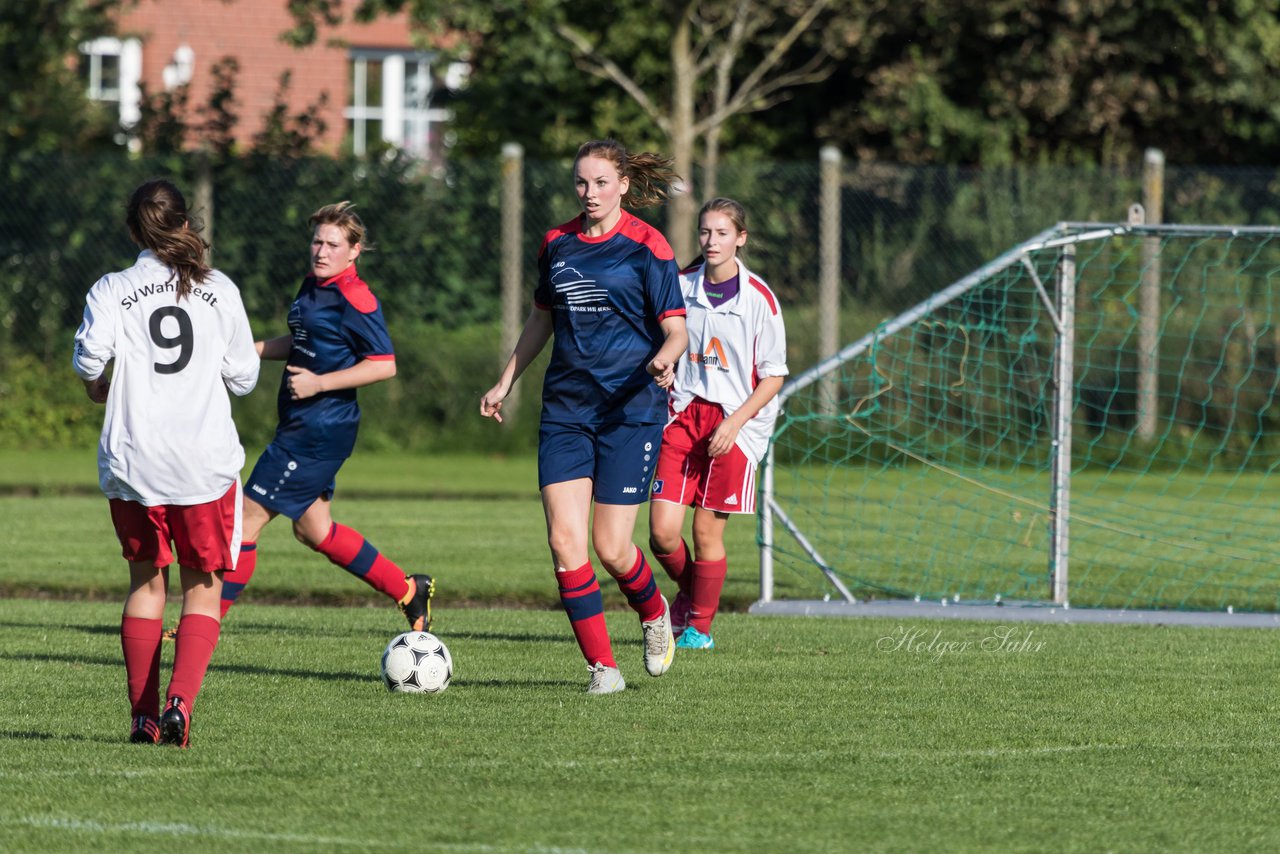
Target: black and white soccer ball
x=416, y=663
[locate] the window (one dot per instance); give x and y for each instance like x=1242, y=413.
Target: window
x=395, y=98
x=111, y=69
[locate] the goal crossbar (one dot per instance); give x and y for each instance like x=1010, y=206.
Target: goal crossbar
x=842, y=393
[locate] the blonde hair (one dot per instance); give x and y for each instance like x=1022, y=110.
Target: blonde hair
x=158, y=220
x=343, y=214
x=651, y=175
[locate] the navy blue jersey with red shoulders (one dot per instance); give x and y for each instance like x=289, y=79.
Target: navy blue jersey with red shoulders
x=607, y=296
x=335, y=323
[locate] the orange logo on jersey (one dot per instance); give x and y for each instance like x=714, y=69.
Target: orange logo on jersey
x=713, y=357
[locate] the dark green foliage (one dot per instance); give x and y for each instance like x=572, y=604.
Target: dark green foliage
x=435, y=257
x=1094, y=81
x=42, y=101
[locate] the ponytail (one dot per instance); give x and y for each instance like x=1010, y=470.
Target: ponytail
x=652, y=176
x=158, y=220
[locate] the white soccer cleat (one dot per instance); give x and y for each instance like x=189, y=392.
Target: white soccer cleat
x=659, y=642
x=605, y=679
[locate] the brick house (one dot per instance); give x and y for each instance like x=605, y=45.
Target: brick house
x=379, y=85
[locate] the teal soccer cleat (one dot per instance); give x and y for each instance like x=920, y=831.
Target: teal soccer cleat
x=691, y=638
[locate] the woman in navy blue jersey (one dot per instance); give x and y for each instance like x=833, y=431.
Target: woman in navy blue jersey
x=608, y=291
x=337, y=343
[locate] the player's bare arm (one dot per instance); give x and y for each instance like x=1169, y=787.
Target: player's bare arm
x=304, y=383
x=534, y=336
x=274, y=349
x=663, y=365
x=726, y=433
x=97, y=388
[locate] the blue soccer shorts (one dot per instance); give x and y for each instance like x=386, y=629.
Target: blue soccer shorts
x=619, y=458
x=289, y=484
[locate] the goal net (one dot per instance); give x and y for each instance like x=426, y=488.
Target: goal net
x=1089, y=420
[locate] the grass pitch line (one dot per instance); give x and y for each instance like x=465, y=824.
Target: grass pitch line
x=182, y=829
x=77, y=773
x=1046, y=750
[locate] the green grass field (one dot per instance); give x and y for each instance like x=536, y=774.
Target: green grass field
x=794, y=734
x=474, y=522
x=1182, y=540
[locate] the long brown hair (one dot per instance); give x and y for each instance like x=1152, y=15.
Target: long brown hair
x=734, y=210
x=158, y=220
x=651, y=175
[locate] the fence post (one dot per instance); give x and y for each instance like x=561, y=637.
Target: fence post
x=1149, y=297
x=203, y=196
x=829, y=269
x=512, y=268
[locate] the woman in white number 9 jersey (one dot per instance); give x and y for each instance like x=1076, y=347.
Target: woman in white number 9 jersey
x=176, y=335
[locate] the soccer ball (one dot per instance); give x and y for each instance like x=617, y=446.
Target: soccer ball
x=416, y=663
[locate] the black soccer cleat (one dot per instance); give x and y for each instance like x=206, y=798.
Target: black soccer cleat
x=175, y=723
x=145, y=730
x=417, y=610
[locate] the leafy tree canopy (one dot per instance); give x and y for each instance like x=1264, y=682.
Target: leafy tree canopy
x=929, y=82
x=43, y=107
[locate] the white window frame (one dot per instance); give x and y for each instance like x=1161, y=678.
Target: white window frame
x=129, y=96
x=394, y=112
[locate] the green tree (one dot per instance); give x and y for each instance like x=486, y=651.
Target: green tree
x=675, y=74
x=1043, y=80
x=42, y=100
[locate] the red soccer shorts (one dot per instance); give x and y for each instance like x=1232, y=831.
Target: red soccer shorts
x=205, y=536
x=688, y=475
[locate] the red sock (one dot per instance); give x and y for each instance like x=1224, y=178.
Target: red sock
x=350, y=550
x=708, y=581
x=140, y=640
x=677, y=566
x=234, y=580
x=641, y=590
x=583, y=602
x=194, y=645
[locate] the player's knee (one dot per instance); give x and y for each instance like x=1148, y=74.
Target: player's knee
x=616, y=557
x=566, y=550
x=664, y=541
x=305, y=535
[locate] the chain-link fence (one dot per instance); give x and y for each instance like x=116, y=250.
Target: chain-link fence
x=904, y=232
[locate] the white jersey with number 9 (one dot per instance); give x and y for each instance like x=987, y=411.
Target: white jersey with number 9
x=167, y=437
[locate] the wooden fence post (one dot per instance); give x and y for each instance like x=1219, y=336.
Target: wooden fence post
x=829, y=269
x=1149, y=297
x=203, y=197
x=512, y=266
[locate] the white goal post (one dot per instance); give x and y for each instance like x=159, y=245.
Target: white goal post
x=905, y=467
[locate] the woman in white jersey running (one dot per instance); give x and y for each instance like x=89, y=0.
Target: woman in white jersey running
x=723, y=409
x=176, y=336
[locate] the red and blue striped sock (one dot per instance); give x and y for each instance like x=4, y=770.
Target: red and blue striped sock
x=349, y=549
x=583, y=602
x=234, y=580
x=641, y=590
x=140, y=641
